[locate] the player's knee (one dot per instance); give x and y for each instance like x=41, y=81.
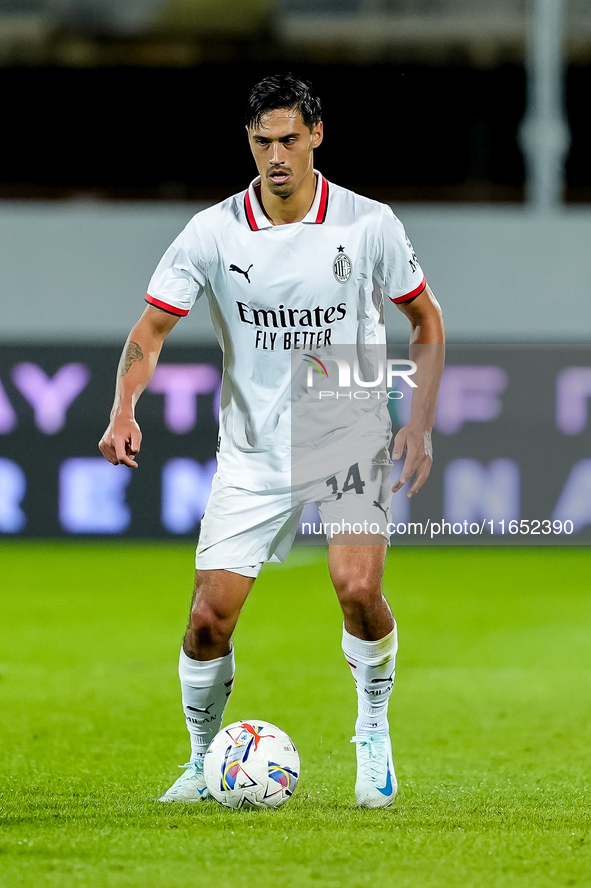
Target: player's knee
x=357, y=591
x=210, y=625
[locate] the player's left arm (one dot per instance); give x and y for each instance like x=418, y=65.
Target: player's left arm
x=427, y=350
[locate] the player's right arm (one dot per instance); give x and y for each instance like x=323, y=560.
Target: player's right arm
x=121, y=442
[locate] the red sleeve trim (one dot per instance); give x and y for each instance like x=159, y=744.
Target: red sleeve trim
x=171, y=309
x=410, y=295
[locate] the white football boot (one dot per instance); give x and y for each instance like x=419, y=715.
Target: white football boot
x=376, y=784
x=189, y=787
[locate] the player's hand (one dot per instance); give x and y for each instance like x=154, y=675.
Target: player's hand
x=121, y=442
x=416, y=442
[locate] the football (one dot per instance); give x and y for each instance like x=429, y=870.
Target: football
x=251, y=763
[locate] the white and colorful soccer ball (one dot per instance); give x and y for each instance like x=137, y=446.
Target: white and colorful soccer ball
x=251, y=763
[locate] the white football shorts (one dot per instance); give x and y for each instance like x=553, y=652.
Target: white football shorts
x=241, y=529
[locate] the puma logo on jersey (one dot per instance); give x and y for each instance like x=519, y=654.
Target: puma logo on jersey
x=239, y=270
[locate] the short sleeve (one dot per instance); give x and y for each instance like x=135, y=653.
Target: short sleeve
x=180, y=277
x=397, y=271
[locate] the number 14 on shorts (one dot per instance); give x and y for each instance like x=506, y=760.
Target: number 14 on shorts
x=352, y=482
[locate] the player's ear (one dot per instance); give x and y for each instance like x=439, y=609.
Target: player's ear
x=317, y=134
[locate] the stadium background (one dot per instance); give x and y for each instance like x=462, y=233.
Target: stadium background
x=122, y=119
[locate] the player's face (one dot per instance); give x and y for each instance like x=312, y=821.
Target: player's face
x=282, y=146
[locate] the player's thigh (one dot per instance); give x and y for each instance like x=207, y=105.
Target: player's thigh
x=356, y=516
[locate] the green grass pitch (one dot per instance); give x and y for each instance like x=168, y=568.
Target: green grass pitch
x=490, y=719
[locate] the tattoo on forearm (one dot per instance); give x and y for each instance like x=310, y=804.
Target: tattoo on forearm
x=131, y=354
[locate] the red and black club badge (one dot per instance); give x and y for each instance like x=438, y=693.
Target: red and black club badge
x=341, y=266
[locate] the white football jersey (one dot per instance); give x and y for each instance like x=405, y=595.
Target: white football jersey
x=281, y=293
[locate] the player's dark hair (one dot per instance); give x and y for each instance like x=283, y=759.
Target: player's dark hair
x=283, y=91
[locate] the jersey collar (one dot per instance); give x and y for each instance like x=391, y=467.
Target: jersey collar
x=255, y=215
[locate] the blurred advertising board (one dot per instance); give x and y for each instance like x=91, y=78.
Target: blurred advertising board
x=512, y=447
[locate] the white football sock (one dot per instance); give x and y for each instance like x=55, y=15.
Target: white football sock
x=373, y=667
x=205, y=687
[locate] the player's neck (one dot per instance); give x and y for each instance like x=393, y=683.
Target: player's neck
x=285, y=210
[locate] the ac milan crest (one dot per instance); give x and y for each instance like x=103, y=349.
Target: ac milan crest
x=342, y=266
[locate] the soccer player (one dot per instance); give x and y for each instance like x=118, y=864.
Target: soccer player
x=294, y=269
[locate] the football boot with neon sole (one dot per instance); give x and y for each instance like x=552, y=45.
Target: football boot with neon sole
x=189, y=787
x=376, y=784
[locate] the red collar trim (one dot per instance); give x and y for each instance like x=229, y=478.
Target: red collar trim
x=323, y=206
x=249, y=212
x=321, y=200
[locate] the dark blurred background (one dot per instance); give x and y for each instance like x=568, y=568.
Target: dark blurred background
x=143, y=99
